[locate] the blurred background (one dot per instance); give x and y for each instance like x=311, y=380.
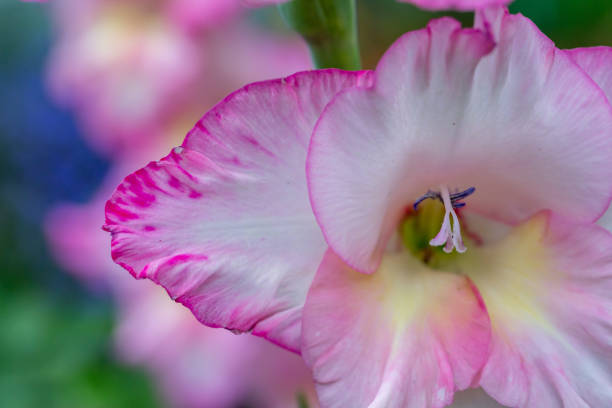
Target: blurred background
x=91, y=90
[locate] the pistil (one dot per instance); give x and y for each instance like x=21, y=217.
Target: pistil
x=450, y=231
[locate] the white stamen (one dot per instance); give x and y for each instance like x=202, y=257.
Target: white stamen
x=449, y=236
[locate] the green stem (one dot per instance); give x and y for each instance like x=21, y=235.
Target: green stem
x=330, y=29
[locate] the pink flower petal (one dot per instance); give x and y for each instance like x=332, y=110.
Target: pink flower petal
x=402, y=337
x=597, y=63
x=547, y=289
x=517, y=120
x=224, y=222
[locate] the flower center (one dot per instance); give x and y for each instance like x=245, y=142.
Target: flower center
x=422, y=222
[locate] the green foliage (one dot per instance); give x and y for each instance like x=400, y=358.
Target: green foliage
x=57, y=354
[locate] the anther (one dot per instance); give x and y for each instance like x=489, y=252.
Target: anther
x=460, y=196
x=454, y=198
x=428, y=194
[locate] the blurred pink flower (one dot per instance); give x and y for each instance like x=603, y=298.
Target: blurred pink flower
x=202, y=14
x=122, y=70
x=204, y=367
x=128, y=68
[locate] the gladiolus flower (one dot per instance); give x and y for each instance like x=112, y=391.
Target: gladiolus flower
x=445, y=201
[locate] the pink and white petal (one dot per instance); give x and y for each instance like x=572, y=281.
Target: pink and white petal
x=547, y=289
x=224, y=222
x=464, y=5
x=364, y=144
x=518, y=120
x=402, y=337
x=597, y=62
